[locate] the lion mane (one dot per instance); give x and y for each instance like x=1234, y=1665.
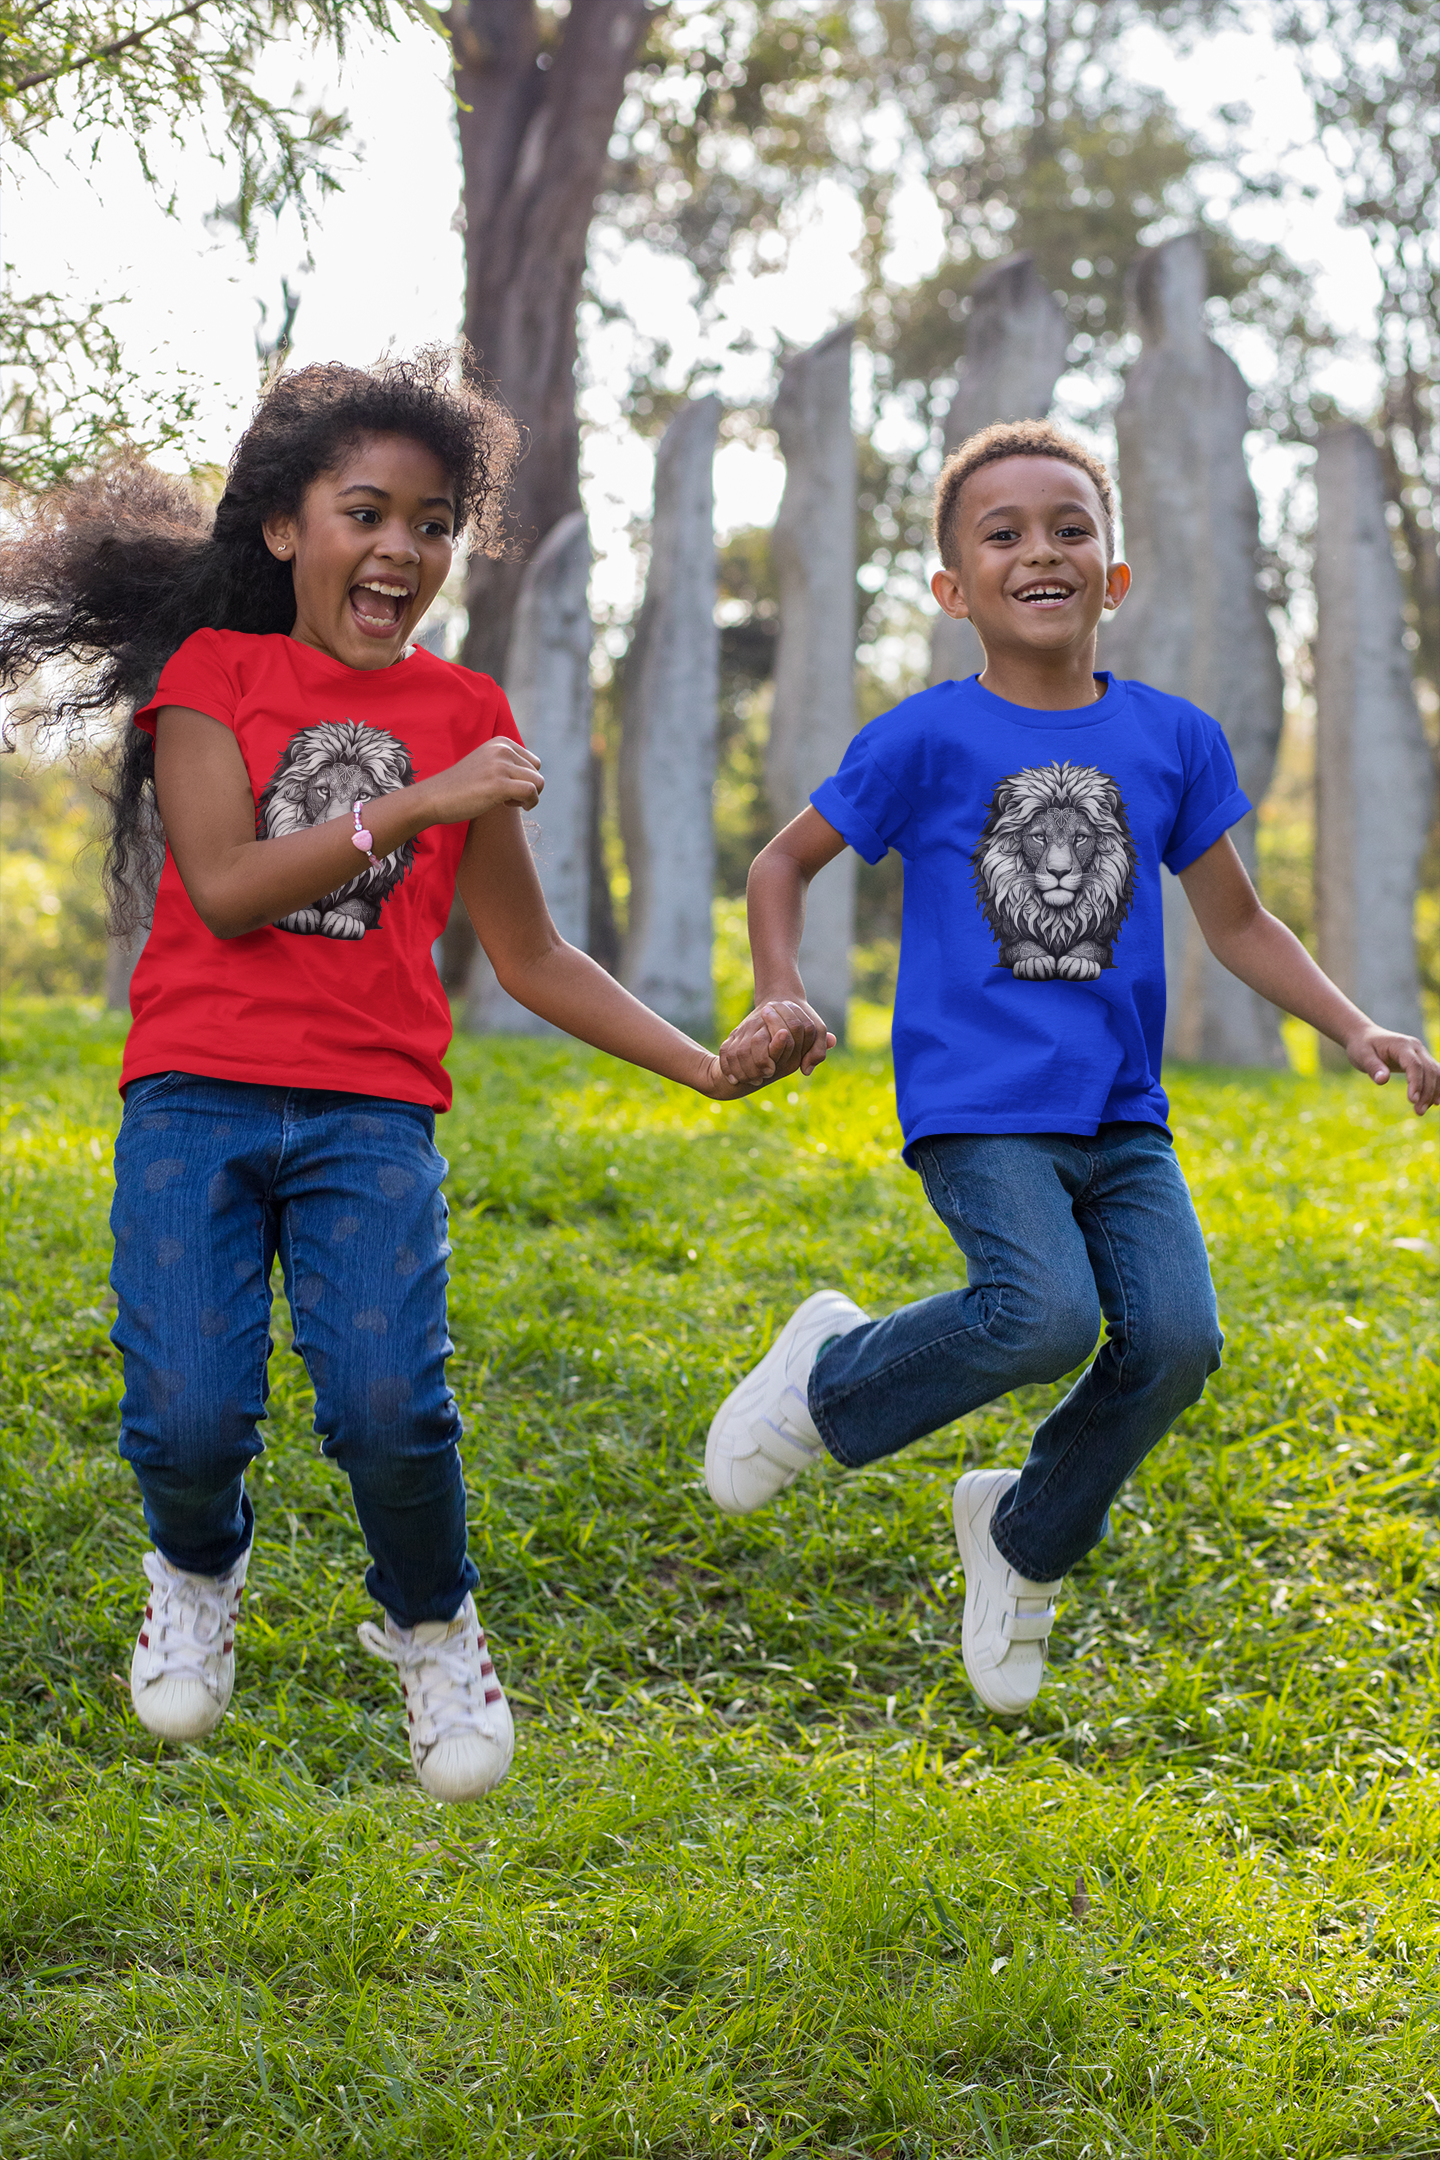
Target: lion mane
x=1058, y=828
x=323, y=771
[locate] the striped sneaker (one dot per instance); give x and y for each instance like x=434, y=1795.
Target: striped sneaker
x=182, y=1674
x=462, y=1736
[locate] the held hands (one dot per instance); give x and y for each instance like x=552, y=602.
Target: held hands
x=1379, y=1052
x=782, y=1036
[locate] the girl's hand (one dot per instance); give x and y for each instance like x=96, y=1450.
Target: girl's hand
x=782, y=1036
x=501, y=773
x=1379, y=1052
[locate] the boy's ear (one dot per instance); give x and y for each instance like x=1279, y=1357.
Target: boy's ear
x=946, y=587
x=1117, y=584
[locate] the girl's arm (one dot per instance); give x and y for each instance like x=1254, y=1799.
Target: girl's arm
x=238, y=883
x=501, y=891
x=1271, y=959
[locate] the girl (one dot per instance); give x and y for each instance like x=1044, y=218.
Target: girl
x=321, y=786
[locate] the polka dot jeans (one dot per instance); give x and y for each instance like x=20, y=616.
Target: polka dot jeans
x=213, y=1179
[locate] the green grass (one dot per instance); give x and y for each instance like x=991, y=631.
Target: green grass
x=765, y=1880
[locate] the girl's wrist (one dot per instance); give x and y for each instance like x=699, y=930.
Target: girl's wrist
x=400, y=816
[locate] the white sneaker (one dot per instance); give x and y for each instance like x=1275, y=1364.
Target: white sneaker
x=1007, y=1620
x=763, y=1435
x=462, y=1736
x=182, y=1674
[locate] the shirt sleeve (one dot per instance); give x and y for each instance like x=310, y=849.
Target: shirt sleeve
x=196, y=677
x=865, y=808
x=1213, y=800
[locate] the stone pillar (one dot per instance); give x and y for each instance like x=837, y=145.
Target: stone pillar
x=146, y=864
x=813, y=715
x=1196, y=622
x=1015, y=343
x=1373, y=778
x=547, y=677
x=121, y=954
x=667, y=740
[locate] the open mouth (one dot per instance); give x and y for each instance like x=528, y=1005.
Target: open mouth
x=379, y=608
x=1044, y=596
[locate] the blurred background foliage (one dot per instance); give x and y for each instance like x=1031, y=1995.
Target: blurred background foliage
x=1026, y=130
x=52, y=909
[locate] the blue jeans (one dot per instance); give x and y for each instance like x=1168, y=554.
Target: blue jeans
x=212, y=1179
x=1057, y=1232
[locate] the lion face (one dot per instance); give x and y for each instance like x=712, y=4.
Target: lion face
x=1055, y=871
x=323, y=772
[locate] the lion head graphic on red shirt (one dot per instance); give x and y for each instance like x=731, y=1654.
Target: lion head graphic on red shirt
x=323, y=772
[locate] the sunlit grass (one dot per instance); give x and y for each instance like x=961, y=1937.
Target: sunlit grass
x=765, y=1879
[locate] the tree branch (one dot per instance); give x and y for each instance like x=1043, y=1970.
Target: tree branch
x=101, y=52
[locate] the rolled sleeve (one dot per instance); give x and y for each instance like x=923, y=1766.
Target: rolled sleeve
x=1213, y=800
x=863, y=803
x=839, y=811
x=1181, y=853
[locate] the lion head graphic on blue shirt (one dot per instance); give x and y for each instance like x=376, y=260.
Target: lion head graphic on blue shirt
x=323, y=772
x=1055, y=871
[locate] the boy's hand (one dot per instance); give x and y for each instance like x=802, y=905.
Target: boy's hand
x=782, y=1036
x=1379, y=1052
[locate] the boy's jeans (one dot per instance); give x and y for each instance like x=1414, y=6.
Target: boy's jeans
x=1056, y=1232
x=212, y=1179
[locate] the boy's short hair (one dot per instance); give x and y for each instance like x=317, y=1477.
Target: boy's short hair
x=1007, y=439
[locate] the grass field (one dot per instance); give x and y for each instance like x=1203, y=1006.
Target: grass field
x=765, y=1879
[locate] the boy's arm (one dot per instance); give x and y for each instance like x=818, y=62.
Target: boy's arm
x=1271, y=959
x=784, y=1029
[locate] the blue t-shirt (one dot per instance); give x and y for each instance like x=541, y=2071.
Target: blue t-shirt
x=1031, y=995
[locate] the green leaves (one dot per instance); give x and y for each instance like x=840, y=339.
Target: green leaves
x=160, y=72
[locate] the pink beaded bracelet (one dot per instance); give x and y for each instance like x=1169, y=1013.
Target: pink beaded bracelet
x=361, y=839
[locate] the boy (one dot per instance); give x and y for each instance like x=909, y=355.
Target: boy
x=1033, y=806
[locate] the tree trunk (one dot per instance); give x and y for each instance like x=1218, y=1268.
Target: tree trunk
x=536, y=119
x=534, y=140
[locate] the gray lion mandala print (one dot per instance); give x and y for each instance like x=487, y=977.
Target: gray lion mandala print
x=1055, y=872
x=323, y=772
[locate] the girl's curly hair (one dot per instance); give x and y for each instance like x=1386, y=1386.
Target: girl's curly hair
x=110, y=575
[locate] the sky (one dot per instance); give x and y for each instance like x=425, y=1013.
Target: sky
x=386, y=267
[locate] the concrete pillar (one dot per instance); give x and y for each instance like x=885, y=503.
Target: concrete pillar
x=1015, y=344
x=547, y=679
x=1373, y=777
x=1196, y=622
x=667, y=740
x=813, y=715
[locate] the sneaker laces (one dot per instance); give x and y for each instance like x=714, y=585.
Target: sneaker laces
x=450, y=1684
x=189, y=1621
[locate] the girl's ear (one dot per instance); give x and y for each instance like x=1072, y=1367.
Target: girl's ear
x=280, y=537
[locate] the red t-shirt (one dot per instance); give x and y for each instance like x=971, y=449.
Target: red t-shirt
x=343, y=994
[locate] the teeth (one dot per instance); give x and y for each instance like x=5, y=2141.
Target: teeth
x=392, y=592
